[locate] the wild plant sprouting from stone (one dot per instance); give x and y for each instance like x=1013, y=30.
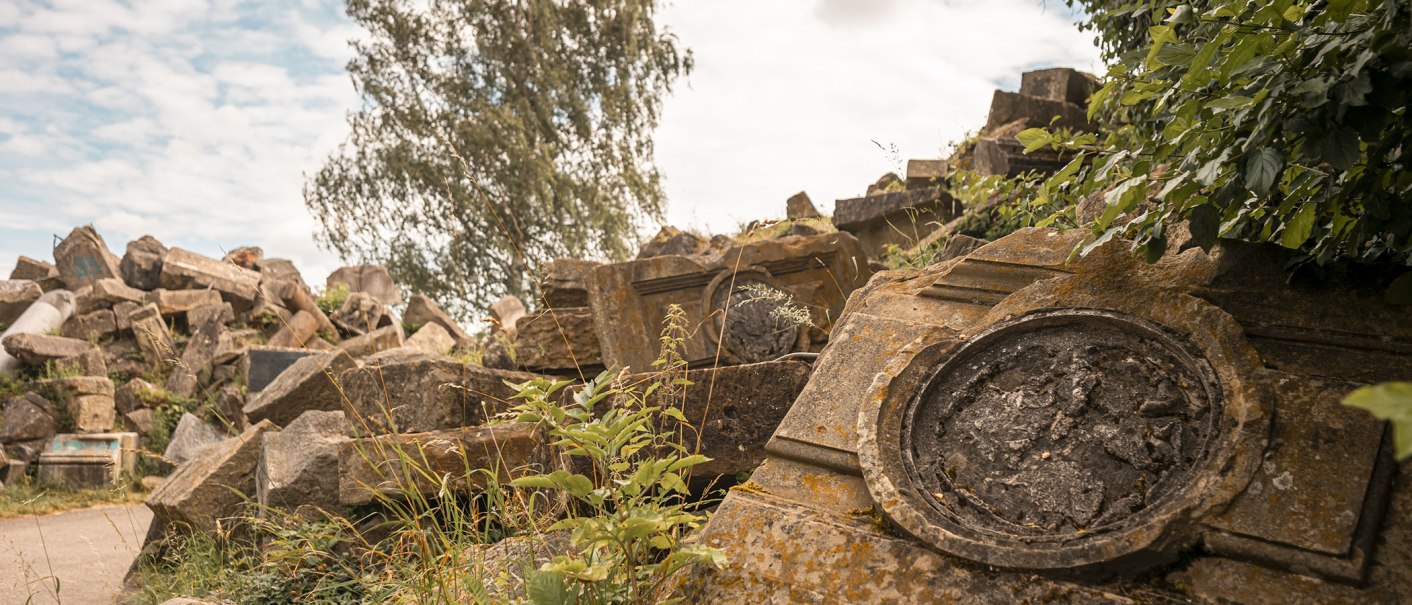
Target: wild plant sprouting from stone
x=785, y=309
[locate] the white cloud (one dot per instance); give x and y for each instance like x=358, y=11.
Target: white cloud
x=196, y=120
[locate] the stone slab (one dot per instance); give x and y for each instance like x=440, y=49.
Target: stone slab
x=630, y=300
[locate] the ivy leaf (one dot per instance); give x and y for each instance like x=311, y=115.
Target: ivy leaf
x=1299, y=227
x=1205, y=220
x=1261, y=170
x=1391, y=401
x=546, y=588
x=1339, y=147
x=1034, y=138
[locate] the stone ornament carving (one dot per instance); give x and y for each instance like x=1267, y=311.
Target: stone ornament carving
x=745, y=320
x=1060, y=439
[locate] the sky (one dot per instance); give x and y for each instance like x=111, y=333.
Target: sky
x=197, y=121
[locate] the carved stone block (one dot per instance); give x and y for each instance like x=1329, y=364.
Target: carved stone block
x=736, y=303
x=1035, y=430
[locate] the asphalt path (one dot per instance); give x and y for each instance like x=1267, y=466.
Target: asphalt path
x=88, y=551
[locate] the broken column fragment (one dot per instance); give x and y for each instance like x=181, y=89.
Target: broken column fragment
x=43, y=316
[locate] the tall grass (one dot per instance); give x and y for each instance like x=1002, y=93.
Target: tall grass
x=606, y=519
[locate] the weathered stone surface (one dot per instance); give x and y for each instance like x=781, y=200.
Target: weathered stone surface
x=671, y=241
x=1008, y=107
x=196, y=359
x=153, y=337
x=185, y=270
x=371, y=279
x=412, y=392
x=507, y=310
x=298, y=466
x=898, y=218
x=308, y=384
x=178, y=302
x=800, y=206
x=221, y=313
x=88, y=363
x=27, y=418
x=92, y=326
x=141, y=421
x=565, y=284
x=299, y=331
x=295, y=297
x=110, y=291
x=230, y=405
x=190, y=436
x=43, y=316
x=141, y=266
x=279, y=268
x=558, y=339
x=137, y=394
x=959, y=245
x=374, y=466
x=502, y=566
x=1059, y=84
x=359, y=314
x=27, y=268
x=210, y=486
x=94, y=460
x=422, y=310
x=377, y=341
x=264, y=363
x=247, y=257
x=431, y=338
x=89, y=401
x=36, y=349
x=1005, y=156
x=1162, y=426
x=887, y=183
x=82, y=258
x=926, y=173
x=16, y=296
x=630, y=300
x=734, y=410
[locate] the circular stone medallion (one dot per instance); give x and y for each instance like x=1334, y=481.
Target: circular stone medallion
x=749, y=316
x=1078, y=432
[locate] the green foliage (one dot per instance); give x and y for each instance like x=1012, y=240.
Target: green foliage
x=330, y=300
x=1279, y=122
x=493, y=132
x=633, y=536
x=1390, y=401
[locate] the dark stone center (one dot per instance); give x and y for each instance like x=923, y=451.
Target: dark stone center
x=753, y=329
x=1068, y=429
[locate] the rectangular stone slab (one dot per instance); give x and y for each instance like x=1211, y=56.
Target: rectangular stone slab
x=630, y=300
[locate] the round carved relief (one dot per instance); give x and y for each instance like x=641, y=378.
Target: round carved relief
x=747, y=319
x=1079, y=433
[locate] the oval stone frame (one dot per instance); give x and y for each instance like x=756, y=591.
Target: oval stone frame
x=714, y=329
x=1153, y=535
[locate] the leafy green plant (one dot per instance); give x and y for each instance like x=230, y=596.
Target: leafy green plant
x=1390, y=401
x=329, y=300
x=1279, y=122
